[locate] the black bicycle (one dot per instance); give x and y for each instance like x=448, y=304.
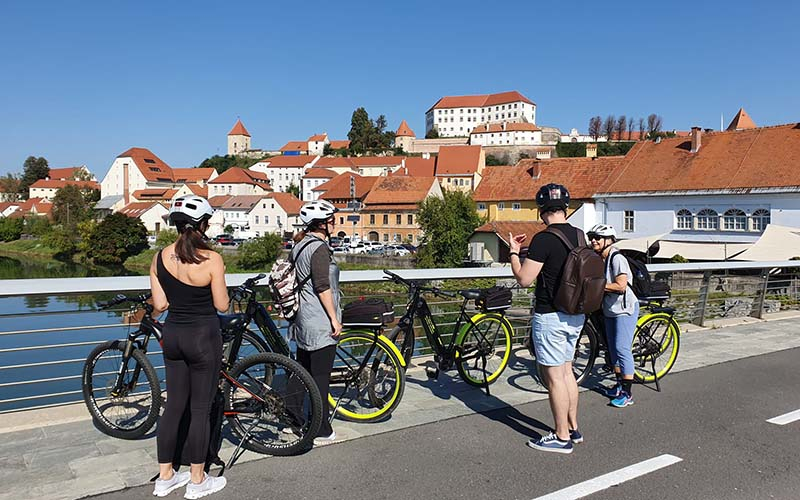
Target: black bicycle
x=123, y=393
x=479, y=345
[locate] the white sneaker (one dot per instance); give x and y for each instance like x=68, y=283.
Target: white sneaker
x=325, y=439
x=209, y=485
x=166, y=486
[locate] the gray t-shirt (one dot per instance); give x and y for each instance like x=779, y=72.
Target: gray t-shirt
x=311, y=329
x=618, y=304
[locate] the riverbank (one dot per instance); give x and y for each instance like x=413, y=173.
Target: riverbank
x=27, y=248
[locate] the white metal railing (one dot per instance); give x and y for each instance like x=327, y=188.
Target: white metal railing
x=45, y=372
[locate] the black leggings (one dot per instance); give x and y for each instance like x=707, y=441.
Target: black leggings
x=319, y=364
x=192, y=357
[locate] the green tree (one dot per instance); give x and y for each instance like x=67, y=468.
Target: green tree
x=10, y=186
x=447, y=224
x=678, y=259
x=294, y=189
x=70, y=207
x=165, y=238
x=62, y=240
x=432, y=134
x=116, y=238
x=84, y=232
x=493, y=161
x=223, y=163
x=37, y=225
x=228, y=229
x=261, y=252
x=32, y=170
x=361, y=130
x=10, y=229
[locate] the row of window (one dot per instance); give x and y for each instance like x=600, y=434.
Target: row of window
x=502, y=206
x=458, y=182
x=396, y=237
x=733, y=219
x=398, y=219
x=475, y=110
x=501, y=116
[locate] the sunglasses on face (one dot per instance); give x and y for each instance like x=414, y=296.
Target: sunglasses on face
x=594, y=237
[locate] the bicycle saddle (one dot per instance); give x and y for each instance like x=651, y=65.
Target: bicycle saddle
x=471, y=293
x=232, y=321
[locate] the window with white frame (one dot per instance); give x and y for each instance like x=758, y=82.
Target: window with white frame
x=734, y=220
x=628, y=223
x=481, y=206
x=684, y=219
x=516, y=206
x=707, y=220
x=501, y=206
x=759, y=220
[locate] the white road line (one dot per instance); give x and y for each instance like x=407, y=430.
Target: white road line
x=605, y=481
x=787, y=418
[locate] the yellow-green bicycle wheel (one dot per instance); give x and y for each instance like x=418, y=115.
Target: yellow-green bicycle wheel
x=368, y=377
x=656, y=342
x=483, y=348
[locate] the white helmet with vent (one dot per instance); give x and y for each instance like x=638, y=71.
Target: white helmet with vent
x=317, y=211
x=190, y=209
x=603, y=230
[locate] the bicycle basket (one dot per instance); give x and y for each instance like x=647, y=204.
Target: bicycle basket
x=659, y=290
x=495, y=298
x=368, y=312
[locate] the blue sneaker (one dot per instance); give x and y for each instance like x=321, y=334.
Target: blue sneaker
x=575, y=436
x=622, y=401
x=613, y=392
x=551, y=443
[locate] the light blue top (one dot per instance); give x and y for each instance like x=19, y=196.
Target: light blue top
x=618, y=304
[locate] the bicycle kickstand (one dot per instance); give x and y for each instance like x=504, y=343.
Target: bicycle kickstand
x=655, y=375
x=485, y=382
x=236, y=453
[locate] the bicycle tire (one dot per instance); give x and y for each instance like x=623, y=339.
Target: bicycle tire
x=255, y=340
x=266, y=404
x=404, y=342
x=584, y=358
x=472, y=337
x=106, y=422
x=649, y=343
x=372, y=394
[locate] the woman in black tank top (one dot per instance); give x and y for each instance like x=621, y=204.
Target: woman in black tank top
x=187, y=278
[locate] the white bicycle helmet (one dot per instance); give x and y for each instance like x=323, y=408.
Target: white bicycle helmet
x=316, y=211
x=190, y=209
x=603, y=230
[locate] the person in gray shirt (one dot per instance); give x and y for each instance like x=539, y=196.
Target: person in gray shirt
x=317, y=325
x=620, y=311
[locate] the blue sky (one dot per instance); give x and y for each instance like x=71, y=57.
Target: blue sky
x=80, y=82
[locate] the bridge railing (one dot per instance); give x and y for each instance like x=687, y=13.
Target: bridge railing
x=49, y=326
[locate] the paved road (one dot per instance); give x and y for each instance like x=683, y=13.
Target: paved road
x=713, y=418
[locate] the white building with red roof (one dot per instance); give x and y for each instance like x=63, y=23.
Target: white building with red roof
x=457, y=116
x=239, y=182
x=313, y=178
x=506, y=134
x=79, y=173
x=460, y=167
x=153, y=214
x=284, y=171
x=47, y=188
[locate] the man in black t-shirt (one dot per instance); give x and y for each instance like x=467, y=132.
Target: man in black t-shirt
x=554, y=333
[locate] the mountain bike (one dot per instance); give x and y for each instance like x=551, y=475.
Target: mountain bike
x=656, y=342
x=122, y=390
x=479, y=345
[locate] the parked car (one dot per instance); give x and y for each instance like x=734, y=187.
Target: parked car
x=224, y=239
x=288, y=244
x=373, y=244
x=238, y=241
x=408, y=246
x=356, y=248
x=375, y=250
x=151, y=239
x=335, y=241
x=396, y=251
x=340, y=249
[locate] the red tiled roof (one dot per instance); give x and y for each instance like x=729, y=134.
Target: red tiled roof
x=318, y=138
x=150, y=165
x=478, y=101
x=236, y=175
x=582, y=176
x=399, y=190
x=198, y=190
x=66, y=173
x=288, y=202
x=340, y=144
x=289, y=161
x=319, y=173
x=404, y=130
x=154, y=193
x=41, y=205
x=334, y=161
x=136, y=209
x=58, y=184
x=767, y=157
x=338, y=188
x=458, y=160
x=503, y=228
x=218, y=201
x=190, y=175
x=510, y=127
x=741, y=121
x=301, y=146
x=245, y=202
x=238, y=129
x=417, y=167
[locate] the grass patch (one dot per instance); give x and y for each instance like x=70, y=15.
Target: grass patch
x=32, y=247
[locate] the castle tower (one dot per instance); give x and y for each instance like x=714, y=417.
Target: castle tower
x=238, y=139
x=404, y=137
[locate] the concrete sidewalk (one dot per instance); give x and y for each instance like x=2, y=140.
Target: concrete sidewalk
x=58, y=454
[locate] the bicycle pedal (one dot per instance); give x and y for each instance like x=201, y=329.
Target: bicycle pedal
x=432, y=372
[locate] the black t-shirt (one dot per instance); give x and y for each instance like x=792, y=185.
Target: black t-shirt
x=548, y=249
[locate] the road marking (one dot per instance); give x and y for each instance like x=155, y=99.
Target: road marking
x=605, y=481
x=787, y=418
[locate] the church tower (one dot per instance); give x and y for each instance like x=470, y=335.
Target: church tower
x=404, y=137
x=238, y=139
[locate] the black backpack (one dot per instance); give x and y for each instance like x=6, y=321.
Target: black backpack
x=642, y=285
x=583, y=280
x=215, y=436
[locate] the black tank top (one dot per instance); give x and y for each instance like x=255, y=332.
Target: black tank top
x=186, y=302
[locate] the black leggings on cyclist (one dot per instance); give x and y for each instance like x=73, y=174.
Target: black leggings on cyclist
x=192, y=358
x=319, y=364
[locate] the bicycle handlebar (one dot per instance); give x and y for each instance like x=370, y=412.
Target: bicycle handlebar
x=416, y=284
x=121, y=299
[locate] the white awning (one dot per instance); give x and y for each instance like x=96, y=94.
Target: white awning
x=689, y=250
x=640, y=244
x=776, y=243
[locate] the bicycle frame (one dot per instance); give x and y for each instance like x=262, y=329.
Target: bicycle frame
x=137, y=340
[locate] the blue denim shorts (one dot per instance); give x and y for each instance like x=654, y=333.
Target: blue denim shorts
x=554, y=337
